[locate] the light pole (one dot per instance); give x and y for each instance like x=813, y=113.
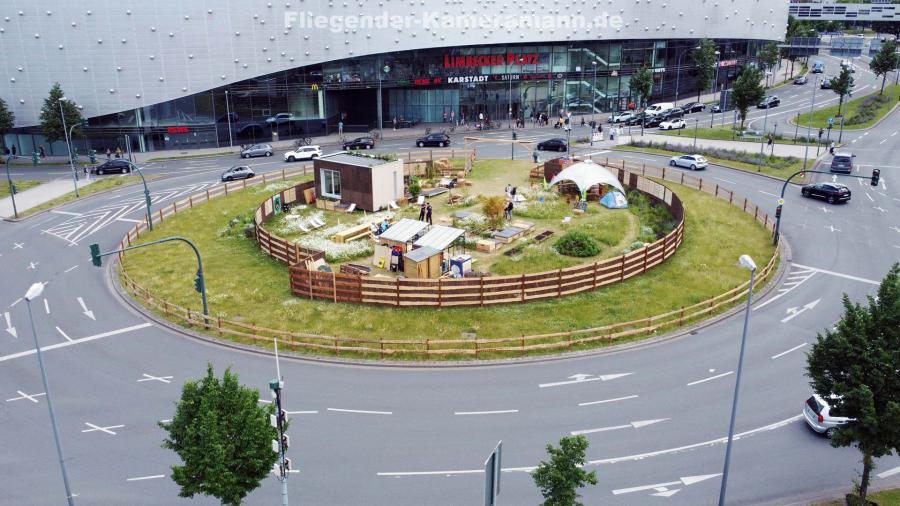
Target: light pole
x=62, y=114
x=593, y=97
x=678, y=71
x=774, y=136
x=34, y=292
x=812, y=104
x=228, y=118
x=715, y=87
x=747, y=263
x=12, y=187
x=146, y=194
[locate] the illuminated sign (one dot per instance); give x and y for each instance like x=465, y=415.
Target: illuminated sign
x=467, y=79
x=178, y=130
x=487, y=60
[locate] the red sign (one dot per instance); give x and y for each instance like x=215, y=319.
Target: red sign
x=178, y=130
x=487, y=60
x=425, y=81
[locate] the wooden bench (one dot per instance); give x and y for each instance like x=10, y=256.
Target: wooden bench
x=537, y=173
x=352, y=234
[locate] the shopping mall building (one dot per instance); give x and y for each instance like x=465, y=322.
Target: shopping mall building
x=175, y=74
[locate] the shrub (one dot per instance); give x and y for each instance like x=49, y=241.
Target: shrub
x=474, y=223
x=415, y=188
x=576, y=244
x=493, y=208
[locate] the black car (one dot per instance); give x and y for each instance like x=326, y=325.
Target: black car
x=438, y=140
x=653, y=121
x=673, y=113
x=360, y=143
x=694, y=107
x=118, y=165
x=552, y=145
x=637, y=119
x=769, y=102
x=831, y=192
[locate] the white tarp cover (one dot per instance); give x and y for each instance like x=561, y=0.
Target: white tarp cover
x=586, y=174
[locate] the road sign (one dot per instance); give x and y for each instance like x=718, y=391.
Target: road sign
x=492, y=476
x=780, y=202
x=830, y=120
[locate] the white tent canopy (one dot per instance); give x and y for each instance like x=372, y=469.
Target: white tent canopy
x=586, y=174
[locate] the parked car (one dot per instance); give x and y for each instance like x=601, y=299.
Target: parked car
x=360, y=143
x=842, y=162
x=622, y=117
x=767, y=102
x=831, y=192
x=256, y=150
x=119, y=165
x=674, y=124
x=238, y=172
x=303, y=153
x=439, y=140
x=407, y=123
x=821, y=417
x=801, y=80
x=280, y=118
x=694, y=107
x=652, y=121
x=693, y=162
x=552, y=145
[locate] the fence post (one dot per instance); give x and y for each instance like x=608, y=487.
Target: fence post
x=596, y=265
x=219, y=323
x=283, y=175
x=310, y=283
x=622, y=268
x=191, y=202
x=174, y=207
x=755, y=212
x=682, y=178
x=701, y=184
x=664, y=173
x=730, y=197
x=646, y=253
x=559, y=283
x=264, y=178
x=397, y=288
x=522, y=287
x=481, y=290
x=681, y=317
x=717, y=189
x=207, y=195
x=225, y=186
x=440, y=293
x=334, y=285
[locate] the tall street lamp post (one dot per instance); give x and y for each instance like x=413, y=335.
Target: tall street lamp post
x=812, y=104
x=12, y=187
x=62, y=114
x=715, y=87
x=678, y=71
x=228, y=118
x=593, y=97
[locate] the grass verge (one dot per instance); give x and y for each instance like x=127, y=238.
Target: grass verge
x=727, y=134
x=21, y=185
x=889, y=497
x=244, y=284
x=859, y=113
x=106, y=183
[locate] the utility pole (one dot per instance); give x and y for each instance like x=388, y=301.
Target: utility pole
x=228, y=118
x=812, y=104
x=62, y=114
x=12, y=187
x=278, y=421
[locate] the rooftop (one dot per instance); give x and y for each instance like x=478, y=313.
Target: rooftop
x=404, y=230
x=358, y=160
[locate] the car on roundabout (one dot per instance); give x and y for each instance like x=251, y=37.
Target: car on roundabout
x=801, y=80
x=693, y=107
x=237, y=172
x=830, y=192
x=821, y=417
x=673, y=124
x=693, y=162
x=119, y=165
x=360, y=143
x=433, y=140
x=552, y=145
x=303, y=153
x=767, y=102
x=622, y=117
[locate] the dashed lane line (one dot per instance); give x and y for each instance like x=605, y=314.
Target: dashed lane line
x=498, y=412
x=783, y=353
x=704, y=380
x=361, y=411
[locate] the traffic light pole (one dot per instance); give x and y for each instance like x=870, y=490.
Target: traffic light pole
x=876, y=175
x=146, y=194
x=199, y=281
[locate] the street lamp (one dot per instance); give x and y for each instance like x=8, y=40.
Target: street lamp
x=146, y=194
x=34, y=292
x=678, y=71
x=812, y=104
x=62, y=114
x=12, y=187
x=747, y=263
x=715, y=86
x=228, y=118
x=593, y=97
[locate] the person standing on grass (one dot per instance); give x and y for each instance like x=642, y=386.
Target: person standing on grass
x=422, y=212
x=428, y=214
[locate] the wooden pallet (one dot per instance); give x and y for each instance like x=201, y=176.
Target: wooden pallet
x=543, y=236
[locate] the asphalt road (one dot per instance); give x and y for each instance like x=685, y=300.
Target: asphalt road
x=655, y=415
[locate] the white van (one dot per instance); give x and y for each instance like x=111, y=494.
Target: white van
x=660, y=108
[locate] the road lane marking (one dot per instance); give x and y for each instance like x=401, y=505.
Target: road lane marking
x=23, y=395
x=592, y=403
x=498, y=412
x=840, y=275
x=783, y=353
x=724, y=180
x=631, y=425
x=16, y=302
x=770, y=194
x=62, y=334
x=365, y=412
x=46, y=306
x=662, y=489
x=161, y=379
x=889, y=472
x=152, y=477
x=583, y=378
x=313, y=412
x=75, y=341
x=704, y=380
x=870, y=197
x=107, y=429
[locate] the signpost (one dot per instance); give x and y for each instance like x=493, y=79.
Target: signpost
x=492, y=475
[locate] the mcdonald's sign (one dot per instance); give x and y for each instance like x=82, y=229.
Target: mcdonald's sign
x=314, y=87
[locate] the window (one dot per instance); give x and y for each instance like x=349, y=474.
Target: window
x=331, y=183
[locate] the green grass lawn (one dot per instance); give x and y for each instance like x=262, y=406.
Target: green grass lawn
x=748, y=167
x=884, y=498
x=21, y=185
x=725, y=133
x=851, y=109
x=105, y=183
x=246, y=285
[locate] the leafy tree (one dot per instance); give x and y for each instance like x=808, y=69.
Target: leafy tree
x=705, y=61
x=641, y=85
x=223, y=437
x=51, y=121
x=884, y=61
x=7, y=118
x=769, y=55
x=842, y=85
x=858, y=362
x=493, y=208
x=561, y=477
x=747, y=91
x=888, y=27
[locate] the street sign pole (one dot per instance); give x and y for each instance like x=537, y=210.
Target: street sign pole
x=492, y=468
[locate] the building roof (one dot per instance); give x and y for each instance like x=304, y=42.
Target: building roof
x=404, y=230
x=439, y=237
x=419, y=254
x=358, y=160
x=586, y=174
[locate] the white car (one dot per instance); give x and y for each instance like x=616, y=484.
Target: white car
x=673, y=124
x=821, y=417
x=280, y=118
x=621, y=117
x=693, y=162
x=303, y=153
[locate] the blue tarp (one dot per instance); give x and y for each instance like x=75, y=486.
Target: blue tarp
x=614, y=200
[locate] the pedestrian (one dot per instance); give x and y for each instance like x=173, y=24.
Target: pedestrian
x=428, y=214
x=508, y=210
x=41, y=150
x=831, y=147
x=508, y=190
x=340, y=128
x=422, y=212
x=14, y=150
x=108, y=154
x=395, y=122
x=480, y=116
x=512, y=193
x=118, y=152
x=445, y=116
x=85, y=169
x=535, y=155
x=582, y=121
x=453, y=117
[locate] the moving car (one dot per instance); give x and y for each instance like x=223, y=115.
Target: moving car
x=674, y=124
x=675, y=112
x=360, y=143
x=826, y=83
x=831, y=192
x=660, y=107
x=280, y=118
x=622, y=117
x=694, y=107
x=119, y=165
x=818, y=67
x=439, y=140
x=552, y=145
x=842, y=162
x=821, y=417
x=693, y=162
x=256, y=150
x=716, y=108
x=303, y=153
x=653, y=121
x=238, y=172
x=801, y=80
x=767, y=102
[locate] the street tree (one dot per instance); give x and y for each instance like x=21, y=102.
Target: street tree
x=856, y=367
x=7, y=118
x=561, y=477
x=842, y=85
x=884, y=61
x=704, y=57
x=51, y=121
x=641, y=85
x=769, y=55
x=223, y=438
x=747, y=91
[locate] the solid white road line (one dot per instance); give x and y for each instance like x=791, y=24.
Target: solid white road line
x=75, y=341
x=704, y=380
x=302, y=412
x=361, y=411
x=153, y=477
x=838, y=274
x=498, y=412
x=783, y=353
x=46, y=306
x=889, y=472
x=607, y=400
x=62, y=334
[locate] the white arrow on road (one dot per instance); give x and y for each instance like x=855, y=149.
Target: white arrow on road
x=825, y=210
x=879, y=209
x=834, y=178
x=635, y=425
x=831, y=227
x=9, y=327
x=584, y=378
x=87, y=312
x=793, y=312
x=685, y=481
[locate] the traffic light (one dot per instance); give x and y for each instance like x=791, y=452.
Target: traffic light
x=821, y=132
x=515, y=136
x=95, y=255
x=876, y=176
x=14, y=189
x=198, y=281
x=778, y=211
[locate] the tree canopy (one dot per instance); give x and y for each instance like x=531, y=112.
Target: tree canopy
x=884, y=61
x=842, y=85
x=747, y=91
x=560, y=478
x=705, y=62
x=51, y=120
x=7, y=118
x=641, y=85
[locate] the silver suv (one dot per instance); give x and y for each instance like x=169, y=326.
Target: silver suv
x=821, y=417
x=842, y=162
x=256, y=150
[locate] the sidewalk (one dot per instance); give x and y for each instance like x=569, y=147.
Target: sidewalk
x=39, y=194
x=784, y=150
